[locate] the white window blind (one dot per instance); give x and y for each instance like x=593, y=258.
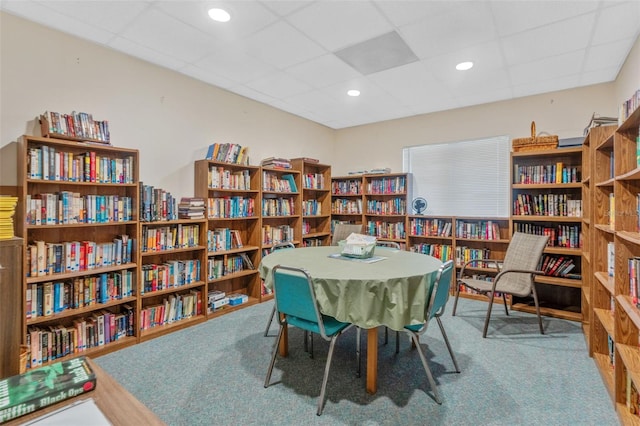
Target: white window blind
x=467, y=178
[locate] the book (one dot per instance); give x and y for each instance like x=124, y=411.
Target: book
x=40, y=387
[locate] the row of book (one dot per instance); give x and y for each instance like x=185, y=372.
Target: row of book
x=278, y=207
x=396, y=206
x=7, y=211
x=170, y=237
x=45, y=258
x=568, y=236
x=174, y=308
x=228, y=153
x=278, y=183
x=547, y=205
x=464, y=254
x=346, y=206
x=218, y=267
x=313, y=181
x=50, y=298
x=170, y=274
x=548, y=173
x=346, y=187
x=230, y=207
x=382, y=229
x=98, y=329
x=156, y=204
x=628, y=107
x=311, y=207
x=558, y=266
x=68, y=207
x=80, y=125
x=430, y=227
x=222, y=239
x=393, y=185
x=443, y=252
x=47, y=163
x=222, y=178
x=277, y=234
x=480, y=230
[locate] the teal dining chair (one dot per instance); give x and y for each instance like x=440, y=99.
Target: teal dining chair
x=434, y=308
x=296, y=302
x=280, y=246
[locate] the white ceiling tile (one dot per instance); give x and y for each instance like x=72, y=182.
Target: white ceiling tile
x=335, y=25
x=207, y=76
x=546, y=86
x=457, y=29
x=322, y=71
x=281, y=45
x=278, y=85
x=146, y=54
x=481, y=97
x=617, y=22
x=610, y=55
x=547, y=68
x=550, y=40
x=407, y=12
x=246, y=17
x=513, y=17
x=231, y=63
x=286, y=7
x=163, y=33
x=602, y=75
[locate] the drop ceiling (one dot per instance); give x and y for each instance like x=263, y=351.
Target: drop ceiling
x=291, y=54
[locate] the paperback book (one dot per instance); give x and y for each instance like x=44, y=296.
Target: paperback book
x=40, y=387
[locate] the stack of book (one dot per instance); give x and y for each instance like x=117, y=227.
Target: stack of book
x=7, y=210
x=191, y=208
x=228, y=153
x=278, y=163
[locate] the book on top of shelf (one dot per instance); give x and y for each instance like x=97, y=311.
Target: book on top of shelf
x=40, y=387
x=307, y=159
x=279, y=163
x=380, y=171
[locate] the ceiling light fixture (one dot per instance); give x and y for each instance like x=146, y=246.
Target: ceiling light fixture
x=353, y=92
x=463, y=66
x=219, y=15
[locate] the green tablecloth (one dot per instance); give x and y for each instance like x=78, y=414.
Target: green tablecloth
x=391, y=292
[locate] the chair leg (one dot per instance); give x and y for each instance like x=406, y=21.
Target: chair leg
x=486, y=321
x=273, y=356
x=455, y=302
x=427, y=370
x=326, y=375
x=358, y=351
x=397, y=342
x=535, y=299
x=446, y=340
x=504, y=302
x=386, y=335
x=273, y=314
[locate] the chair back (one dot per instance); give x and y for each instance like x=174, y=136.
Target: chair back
x=342, y=230
x=281, y=246
x=295, y=296
x=524, y=252
x=440, y=291
x=388, y=244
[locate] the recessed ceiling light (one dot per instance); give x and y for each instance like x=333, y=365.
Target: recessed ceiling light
x=353, y=92
x=219, y=15
x=463, y=66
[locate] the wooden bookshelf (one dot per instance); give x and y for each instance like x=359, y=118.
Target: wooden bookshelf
x=233, y=199
x=547, y=199
x=315, y=202
x=385, y=206
x=76, y=199
x=11, y=333
x=346, y=199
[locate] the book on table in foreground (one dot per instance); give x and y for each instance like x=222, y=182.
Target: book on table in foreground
x=40, y=387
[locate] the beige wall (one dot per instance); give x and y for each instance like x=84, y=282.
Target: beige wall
x=172, y=118
x=169, y=117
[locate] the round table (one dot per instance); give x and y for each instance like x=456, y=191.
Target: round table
x=389, y=292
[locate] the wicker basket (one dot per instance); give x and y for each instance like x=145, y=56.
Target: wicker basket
x=535, y=142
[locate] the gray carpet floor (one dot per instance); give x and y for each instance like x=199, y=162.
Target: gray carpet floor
x=213, y=373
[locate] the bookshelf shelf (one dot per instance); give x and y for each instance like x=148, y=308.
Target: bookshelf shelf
x=89, y=213
x=614, y=238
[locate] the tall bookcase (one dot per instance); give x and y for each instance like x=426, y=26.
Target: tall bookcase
x=281, y=215
x=315, y=201
x=385, y=207
x=173, y=259
x=232, y=194
x=546, y=194
x=11, y=331
x=615, y=243
x=346, y=200
x=78, y=215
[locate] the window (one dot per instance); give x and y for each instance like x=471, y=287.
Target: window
x=467, y=178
